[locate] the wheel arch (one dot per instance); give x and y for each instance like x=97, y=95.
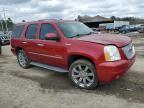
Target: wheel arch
x=17, y=49
x=74, y=57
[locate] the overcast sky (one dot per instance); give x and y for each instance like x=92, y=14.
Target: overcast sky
x=29, y=10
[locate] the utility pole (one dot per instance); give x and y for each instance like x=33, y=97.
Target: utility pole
x=5, y=20
x=4, y=10
x=1, y=23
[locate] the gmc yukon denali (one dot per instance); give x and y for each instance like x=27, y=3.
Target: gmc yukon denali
x=70, y=46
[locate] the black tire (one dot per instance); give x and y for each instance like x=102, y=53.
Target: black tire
x=26, y=64
x=91, y=69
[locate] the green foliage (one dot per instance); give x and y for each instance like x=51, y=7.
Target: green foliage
x=9, y=24
x=79, y=18
x=132, y=20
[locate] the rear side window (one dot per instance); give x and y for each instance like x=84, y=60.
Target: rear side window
x=46, y=28
x=17, y=31
x=31, y=31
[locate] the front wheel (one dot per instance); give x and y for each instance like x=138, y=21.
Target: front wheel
x=22, y=59
x=82, y=74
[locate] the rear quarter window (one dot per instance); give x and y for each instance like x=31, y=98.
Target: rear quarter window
x=17, y=31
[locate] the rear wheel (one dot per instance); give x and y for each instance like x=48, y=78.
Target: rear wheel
x=22, y=59
x=82, y=74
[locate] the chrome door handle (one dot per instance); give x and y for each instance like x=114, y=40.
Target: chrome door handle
x=40, y=44
x=24, y=42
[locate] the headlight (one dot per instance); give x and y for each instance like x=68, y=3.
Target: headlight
x=111, y=53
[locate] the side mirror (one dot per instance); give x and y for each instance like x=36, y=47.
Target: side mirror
x=52, y=36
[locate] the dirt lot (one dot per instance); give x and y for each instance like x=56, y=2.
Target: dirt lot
x=40, y=88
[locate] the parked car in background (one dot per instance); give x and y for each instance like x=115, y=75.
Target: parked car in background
x=9, y=34
x=69, y=46
x=4, y=39
x=101, y=29
x=110, y=27
x=120, y=27
x=141, y=28
x=95, y=30
x=124, y=29
x=133, y=28
x=127, y=29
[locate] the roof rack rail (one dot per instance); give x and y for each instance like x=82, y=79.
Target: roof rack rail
x=47, y=19
x=38, y=20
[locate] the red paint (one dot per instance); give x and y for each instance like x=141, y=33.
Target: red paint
x=105, y=39
x=91, y=47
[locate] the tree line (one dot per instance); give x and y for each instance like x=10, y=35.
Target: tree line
x=132, y=20
x=9, y=23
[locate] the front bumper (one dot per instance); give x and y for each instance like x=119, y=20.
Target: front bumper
x=109, y=71
x=4, y=42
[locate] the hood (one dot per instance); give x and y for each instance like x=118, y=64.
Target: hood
x=106, y=39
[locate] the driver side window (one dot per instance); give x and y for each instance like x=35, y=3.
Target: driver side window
x=46, y=28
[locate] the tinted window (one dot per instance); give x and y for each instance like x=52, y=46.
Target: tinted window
x=46, y=28
x=31, y=31
x=17, y=31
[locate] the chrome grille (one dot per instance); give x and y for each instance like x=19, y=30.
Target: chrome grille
x=129, y=51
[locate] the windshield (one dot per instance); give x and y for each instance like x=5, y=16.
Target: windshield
x=74, y=29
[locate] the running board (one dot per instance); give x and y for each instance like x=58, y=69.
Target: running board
x=57, y=69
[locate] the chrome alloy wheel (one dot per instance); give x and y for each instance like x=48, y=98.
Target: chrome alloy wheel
x=82, y=75
x=22, y=59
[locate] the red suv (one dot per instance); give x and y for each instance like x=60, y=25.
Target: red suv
x=69, y=46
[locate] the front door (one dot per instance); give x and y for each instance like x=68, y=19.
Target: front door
x=50, y=52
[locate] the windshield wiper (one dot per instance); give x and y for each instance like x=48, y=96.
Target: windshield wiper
x=78, y=35
x=89, y=33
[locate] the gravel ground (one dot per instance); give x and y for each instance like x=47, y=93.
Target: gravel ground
x=40, y=88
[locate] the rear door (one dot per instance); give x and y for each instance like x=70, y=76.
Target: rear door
x=30, y=41
x=16, y=37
